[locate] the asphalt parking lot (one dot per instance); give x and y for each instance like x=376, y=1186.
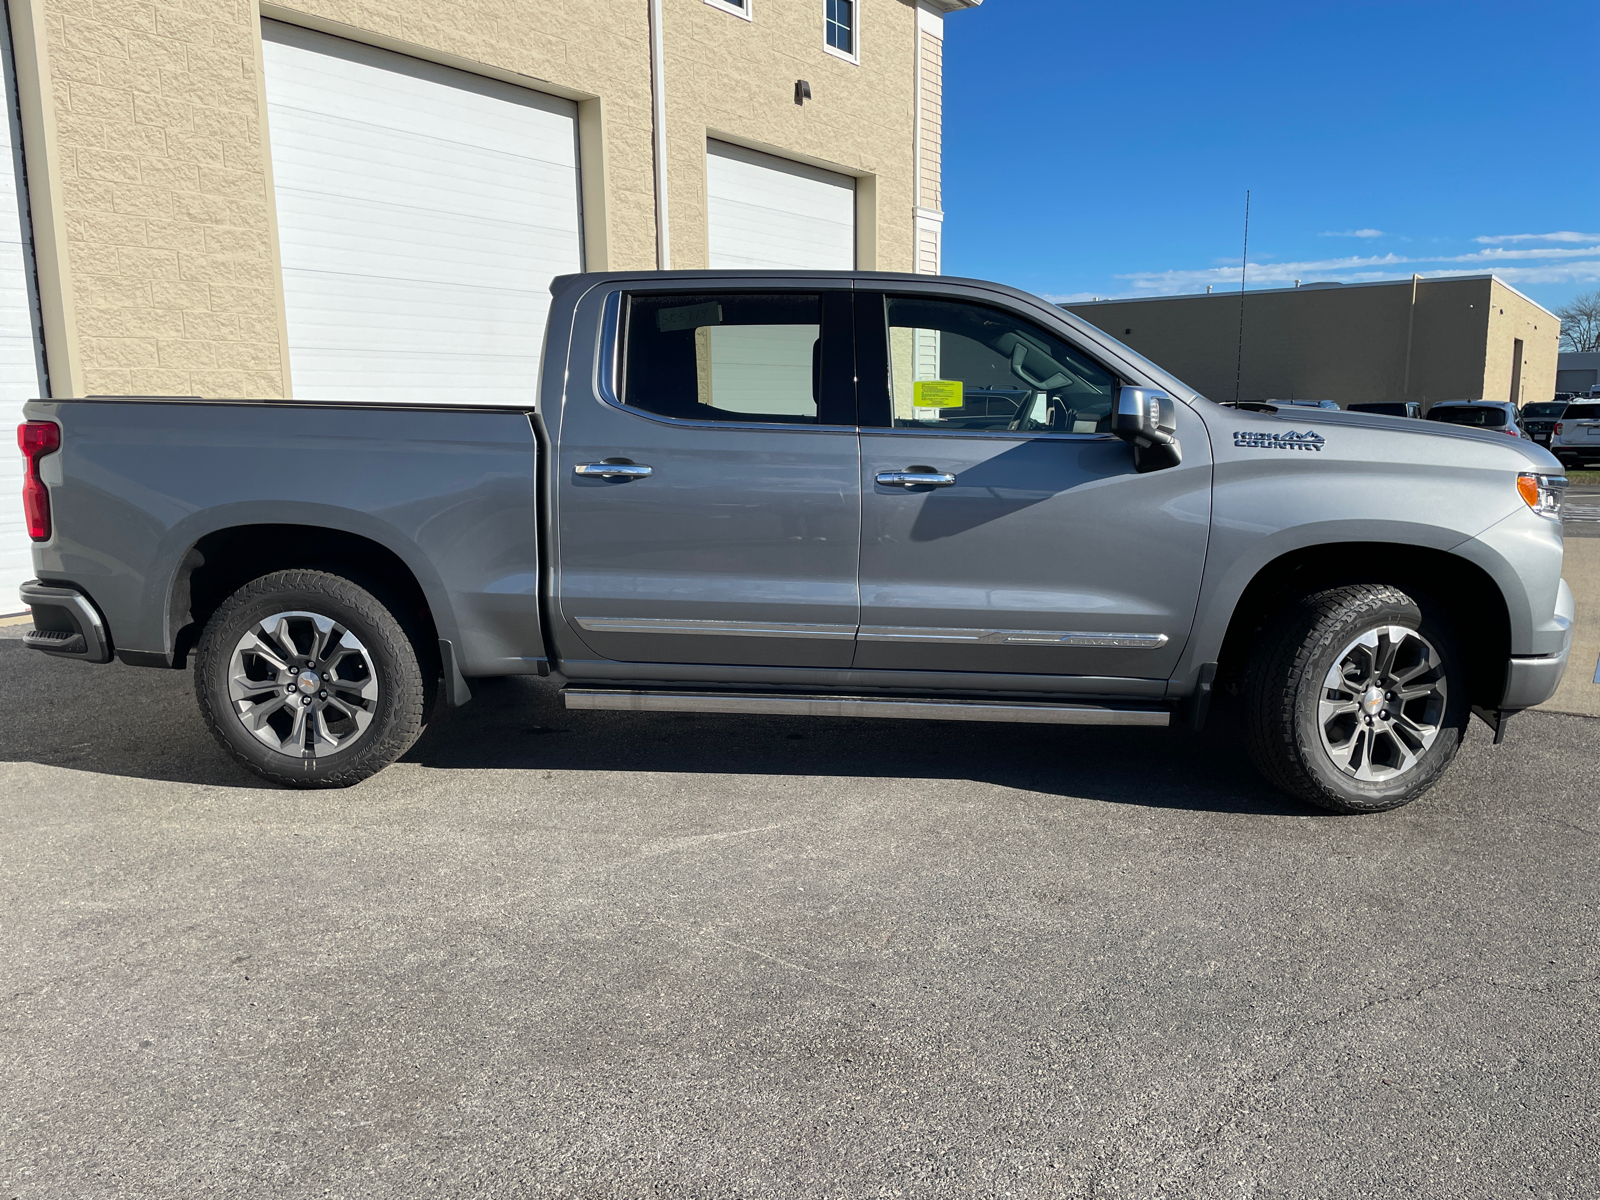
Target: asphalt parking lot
x=606, y=955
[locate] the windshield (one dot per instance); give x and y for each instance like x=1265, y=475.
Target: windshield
x=1543, y=410
x=1484, y=418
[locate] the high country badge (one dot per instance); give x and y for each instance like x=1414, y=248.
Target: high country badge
x=1309, y=440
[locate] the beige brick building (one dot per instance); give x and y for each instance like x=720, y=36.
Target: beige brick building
x=363, y=199
x=147, y=138
x=1466, y=338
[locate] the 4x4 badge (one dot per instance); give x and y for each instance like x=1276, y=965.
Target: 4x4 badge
x=1250, y=440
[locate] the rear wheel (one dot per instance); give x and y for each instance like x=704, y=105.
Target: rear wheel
x=308, y=680
x=1356, y=699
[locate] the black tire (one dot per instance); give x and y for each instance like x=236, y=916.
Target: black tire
x=387, y=665
x=1296, y=743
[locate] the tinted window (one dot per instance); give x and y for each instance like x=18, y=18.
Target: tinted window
x=724, y=357
x=1582, y=412
x=954, y=365
x=1542, y=411
x=841, y=25
x=1485, y=418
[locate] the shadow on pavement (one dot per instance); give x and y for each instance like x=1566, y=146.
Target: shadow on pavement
x=142, y=723
x=520, y=724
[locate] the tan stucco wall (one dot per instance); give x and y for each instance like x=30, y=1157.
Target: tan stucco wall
x=1512, y=317
x=162, y=169
x=1351, y=344
x=163, y=196
x=734, y=79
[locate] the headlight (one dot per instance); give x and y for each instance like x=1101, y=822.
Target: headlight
x=1543, y=493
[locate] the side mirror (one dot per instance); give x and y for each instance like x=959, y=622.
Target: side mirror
x=1148, y=419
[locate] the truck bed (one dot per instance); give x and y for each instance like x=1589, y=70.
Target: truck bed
x=447, y=490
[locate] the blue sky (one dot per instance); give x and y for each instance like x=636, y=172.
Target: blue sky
x=1105, y=149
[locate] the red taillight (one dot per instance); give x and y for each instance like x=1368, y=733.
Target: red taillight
x=36, y=439
x=1558, y=428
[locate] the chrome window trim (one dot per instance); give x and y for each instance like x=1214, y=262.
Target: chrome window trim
x=767, y=629
x=608, y=366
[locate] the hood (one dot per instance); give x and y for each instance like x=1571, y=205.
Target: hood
x=1431, y=442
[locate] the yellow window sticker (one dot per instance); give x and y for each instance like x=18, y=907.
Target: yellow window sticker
x=936, y=393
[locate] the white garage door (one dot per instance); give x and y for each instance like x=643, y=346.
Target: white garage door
x=21, y=371
x=422, y=213
x=769, y=212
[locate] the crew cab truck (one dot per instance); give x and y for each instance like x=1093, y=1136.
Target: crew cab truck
x=859, y=494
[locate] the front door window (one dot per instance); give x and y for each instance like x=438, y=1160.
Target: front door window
x=965, y=366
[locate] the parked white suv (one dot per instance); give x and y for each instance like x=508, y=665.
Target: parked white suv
x=1575, y=440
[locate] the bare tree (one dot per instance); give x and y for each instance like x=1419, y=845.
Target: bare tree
x=1580, y=322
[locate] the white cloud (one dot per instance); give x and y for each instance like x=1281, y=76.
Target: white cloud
x=1359, y=233
x=1567, y=272
x=1544, y=264
x=1076, y=297
x=1499, y=255
x=1565, y=235
x=1174, y=281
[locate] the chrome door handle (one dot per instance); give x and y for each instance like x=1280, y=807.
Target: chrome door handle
x=610, y=470
x=915, y=479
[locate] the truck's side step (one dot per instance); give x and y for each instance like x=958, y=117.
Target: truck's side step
x=915, y=709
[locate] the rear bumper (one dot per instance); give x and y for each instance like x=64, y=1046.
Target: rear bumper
x=1531, y=681
x=65, y=623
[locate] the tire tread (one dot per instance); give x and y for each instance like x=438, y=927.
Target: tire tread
x=408, y=695
x=1302, y=631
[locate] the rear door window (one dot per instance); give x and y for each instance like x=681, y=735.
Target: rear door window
x=769, y=358
x=1483, y=418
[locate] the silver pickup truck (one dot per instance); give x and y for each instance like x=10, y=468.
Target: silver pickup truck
x=864, y=495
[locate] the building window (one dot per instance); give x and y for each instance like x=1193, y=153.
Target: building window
x=739, y=8
x=840, y=27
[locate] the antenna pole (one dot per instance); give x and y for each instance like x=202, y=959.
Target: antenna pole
x=1244, y=266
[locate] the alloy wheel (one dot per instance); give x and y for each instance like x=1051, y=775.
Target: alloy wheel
x=1382, y=703
x=302, y=684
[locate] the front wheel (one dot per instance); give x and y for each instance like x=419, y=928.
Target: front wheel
x=309, y=680
x=1356, y=699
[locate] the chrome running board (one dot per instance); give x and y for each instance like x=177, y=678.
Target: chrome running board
x=915, y=709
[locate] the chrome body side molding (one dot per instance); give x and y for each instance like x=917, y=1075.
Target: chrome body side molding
x=1013, y=637
x=766, y=629
x=917, y=709
x=874, y=633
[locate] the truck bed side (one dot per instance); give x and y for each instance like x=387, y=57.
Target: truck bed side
x=148, y=496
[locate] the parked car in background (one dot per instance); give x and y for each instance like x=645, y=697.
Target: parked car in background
x=1575, y=439
x=1539, y=420
x=1499, y=415
x=1333, y=404
x=1390, y=408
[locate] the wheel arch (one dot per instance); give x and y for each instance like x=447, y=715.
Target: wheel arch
x=224, y=560
x=1463, y=590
